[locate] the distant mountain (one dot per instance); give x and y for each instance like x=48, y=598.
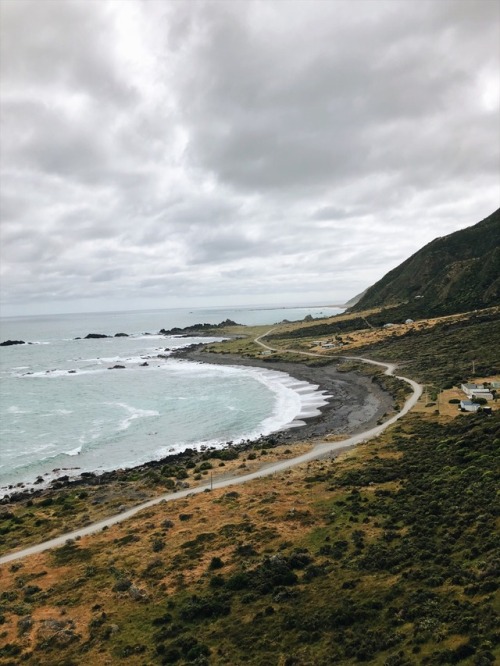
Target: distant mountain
x=453, y=273
x=355, y=299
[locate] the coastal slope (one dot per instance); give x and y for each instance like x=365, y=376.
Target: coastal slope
x=454, y=273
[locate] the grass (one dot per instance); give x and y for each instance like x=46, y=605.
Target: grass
x=55, y=511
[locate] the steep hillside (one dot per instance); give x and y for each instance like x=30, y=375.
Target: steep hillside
x=454, y=273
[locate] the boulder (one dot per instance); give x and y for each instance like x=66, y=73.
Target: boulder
x=138, y=594
x=95, y=336
x=56, y=634
x=121, y=335
x=117, y=367
x=9, y=343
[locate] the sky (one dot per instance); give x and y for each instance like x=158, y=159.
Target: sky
x=160, y=153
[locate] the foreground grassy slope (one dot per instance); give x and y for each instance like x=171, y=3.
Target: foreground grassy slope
x=386, y=557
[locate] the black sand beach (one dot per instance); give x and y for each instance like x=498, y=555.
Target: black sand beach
x=356, y=404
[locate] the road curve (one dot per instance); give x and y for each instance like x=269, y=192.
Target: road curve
x=321, y=448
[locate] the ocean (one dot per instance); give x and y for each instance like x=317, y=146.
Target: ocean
x=63, y=409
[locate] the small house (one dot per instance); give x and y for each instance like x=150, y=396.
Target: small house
x=468, y=406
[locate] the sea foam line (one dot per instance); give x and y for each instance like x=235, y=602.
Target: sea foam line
x=295, y=399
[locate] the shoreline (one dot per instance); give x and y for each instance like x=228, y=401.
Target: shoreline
x=319, y=450
x=355, y=404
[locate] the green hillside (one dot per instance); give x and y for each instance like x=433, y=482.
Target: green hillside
x=455, y=273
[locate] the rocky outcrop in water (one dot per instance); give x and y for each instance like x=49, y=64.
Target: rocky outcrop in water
x=198, y=329
x=9, y=343
x=95, y=336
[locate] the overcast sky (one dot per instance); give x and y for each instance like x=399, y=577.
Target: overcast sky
x=161, y=154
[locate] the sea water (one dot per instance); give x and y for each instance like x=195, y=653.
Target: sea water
x=64, y=406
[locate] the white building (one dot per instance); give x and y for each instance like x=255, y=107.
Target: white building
x=468, y=406
x=476, y=391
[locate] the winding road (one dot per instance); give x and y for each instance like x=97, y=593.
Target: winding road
x=321, y=449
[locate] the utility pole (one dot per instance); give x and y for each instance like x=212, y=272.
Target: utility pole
x=211, y=481
x=473, y=368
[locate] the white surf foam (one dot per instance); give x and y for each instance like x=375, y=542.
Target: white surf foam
x=14, y=409
x=133, y=413
x=73, y=452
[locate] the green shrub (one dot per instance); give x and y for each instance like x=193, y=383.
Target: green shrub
x=200, y=608
x=215, y=563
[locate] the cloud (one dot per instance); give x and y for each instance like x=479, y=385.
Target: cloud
x=221, y=152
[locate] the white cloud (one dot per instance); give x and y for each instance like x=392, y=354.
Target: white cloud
x=208, y=152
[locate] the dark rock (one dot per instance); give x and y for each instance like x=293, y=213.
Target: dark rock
x=8, y=343
x=95, y=336
x=137, y=595
x=117, y=367
x=71, y=372
x=144, y=365
x=121, y=335
x=122, y=585
x=60, y=481
x=198, y=328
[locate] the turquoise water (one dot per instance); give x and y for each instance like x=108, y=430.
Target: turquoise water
x=61, y=406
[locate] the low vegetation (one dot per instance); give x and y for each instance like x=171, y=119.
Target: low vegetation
x=448, y=353
x=386, y=556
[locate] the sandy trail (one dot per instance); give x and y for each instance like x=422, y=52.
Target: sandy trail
x=321, y=449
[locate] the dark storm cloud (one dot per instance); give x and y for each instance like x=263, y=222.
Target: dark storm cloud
x=207, y=150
